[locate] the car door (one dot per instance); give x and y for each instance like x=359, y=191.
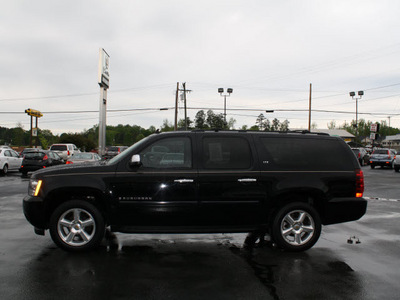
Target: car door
x=162, y=190
x=229, y=189
x=11, y=159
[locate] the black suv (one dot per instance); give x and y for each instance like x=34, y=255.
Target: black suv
x=281, y=184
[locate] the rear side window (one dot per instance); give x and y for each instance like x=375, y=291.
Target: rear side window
x=59, y=148
x=226, y=153
x=300, y=154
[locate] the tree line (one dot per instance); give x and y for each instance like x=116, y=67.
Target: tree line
x=130, y=134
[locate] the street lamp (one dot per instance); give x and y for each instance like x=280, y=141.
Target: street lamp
x=221, y=91
x=353, y=95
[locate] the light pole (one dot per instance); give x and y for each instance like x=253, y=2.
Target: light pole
x=221, y=91
x=352, y=95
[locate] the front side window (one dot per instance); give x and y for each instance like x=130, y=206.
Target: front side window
x=228, y=153
x=168, y=153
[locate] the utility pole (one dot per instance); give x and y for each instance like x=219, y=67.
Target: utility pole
x=184, y=90
x=176, y=107
x=184, y=97
x=309, y=109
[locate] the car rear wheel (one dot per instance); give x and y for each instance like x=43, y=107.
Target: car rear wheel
x=77, y=226
x=296, y=227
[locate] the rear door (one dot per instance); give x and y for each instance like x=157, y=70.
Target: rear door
x=230, y=192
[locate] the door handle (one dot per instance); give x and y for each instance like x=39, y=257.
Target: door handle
x=183, y=180
x=246, y=180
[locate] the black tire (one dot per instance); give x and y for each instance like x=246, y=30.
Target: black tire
x=372, y=166
x=396, y=169
x=5, y=169
x=304, y=231
x=77, y=225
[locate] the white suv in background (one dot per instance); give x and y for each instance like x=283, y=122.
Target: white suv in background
x=65, y=150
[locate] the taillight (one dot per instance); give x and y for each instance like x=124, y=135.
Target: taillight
x=359, y=155
x=68, y=152
x=359, y=183
x=45, y=157
x=69, y=162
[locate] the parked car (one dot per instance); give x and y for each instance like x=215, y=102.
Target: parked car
x=112, y=151
x=362, y=155
x=382, y=157
x=65, y=150
x=83, y=158
x=5, y=147
x=9, y=160
x=39, y=159
x=279, y=184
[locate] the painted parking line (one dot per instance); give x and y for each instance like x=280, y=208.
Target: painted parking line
x=382, y=199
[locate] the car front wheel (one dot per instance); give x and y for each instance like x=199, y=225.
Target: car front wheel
x=296, y=227
x=77, y=226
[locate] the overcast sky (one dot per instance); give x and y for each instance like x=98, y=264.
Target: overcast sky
x=267, y=51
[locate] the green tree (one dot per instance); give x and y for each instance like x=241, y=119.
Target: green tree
x=167, y=126
x=215, y=121
x=200, y=121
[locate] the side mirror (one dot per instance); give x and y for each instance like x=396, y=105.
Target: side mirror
x=135, y=161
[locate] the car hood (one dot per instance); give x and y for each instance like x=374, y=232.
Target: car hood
x=78, y=168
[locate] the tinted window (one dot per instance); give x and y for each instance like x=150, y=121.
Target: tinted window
x=226, y=153
x=381, y=152
x=168, y=153
x=59, y=148
x=289, y=154
x=34, y=155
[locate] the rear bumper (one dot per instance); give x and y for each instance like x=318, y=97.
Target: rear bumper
x=339, y=210
x=380, y=162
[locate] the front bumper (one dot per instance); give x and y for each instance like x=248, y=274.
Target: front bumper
x=339, y=210
x=34, y=211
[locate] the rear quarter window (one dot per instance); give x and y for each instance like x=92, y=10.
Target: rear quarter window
x=305, y=154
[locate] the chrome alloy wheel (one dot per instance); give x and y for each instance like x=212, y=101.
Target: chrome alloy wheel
x=297, y=227
x=76, y=227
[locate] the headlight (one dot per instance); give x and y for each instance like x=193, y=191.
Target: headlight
x=34, y=187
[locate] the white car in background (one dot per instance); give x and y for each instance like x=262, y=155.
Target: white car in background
x=65, y=150
x=396, y=163
x=9, y=160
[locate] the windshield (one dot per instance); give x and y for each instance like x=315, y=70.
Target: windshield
x=59, y=147
x=127, y=152
x=380, y=152
x=112, y=149
x=83, y=156
x=34, y=155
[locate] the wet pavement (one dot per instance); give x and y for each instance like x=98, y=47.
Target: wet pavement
x=357, y=260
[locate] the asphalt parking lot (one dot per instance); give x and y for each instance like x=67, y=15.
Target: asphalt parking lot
x=357, y=260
